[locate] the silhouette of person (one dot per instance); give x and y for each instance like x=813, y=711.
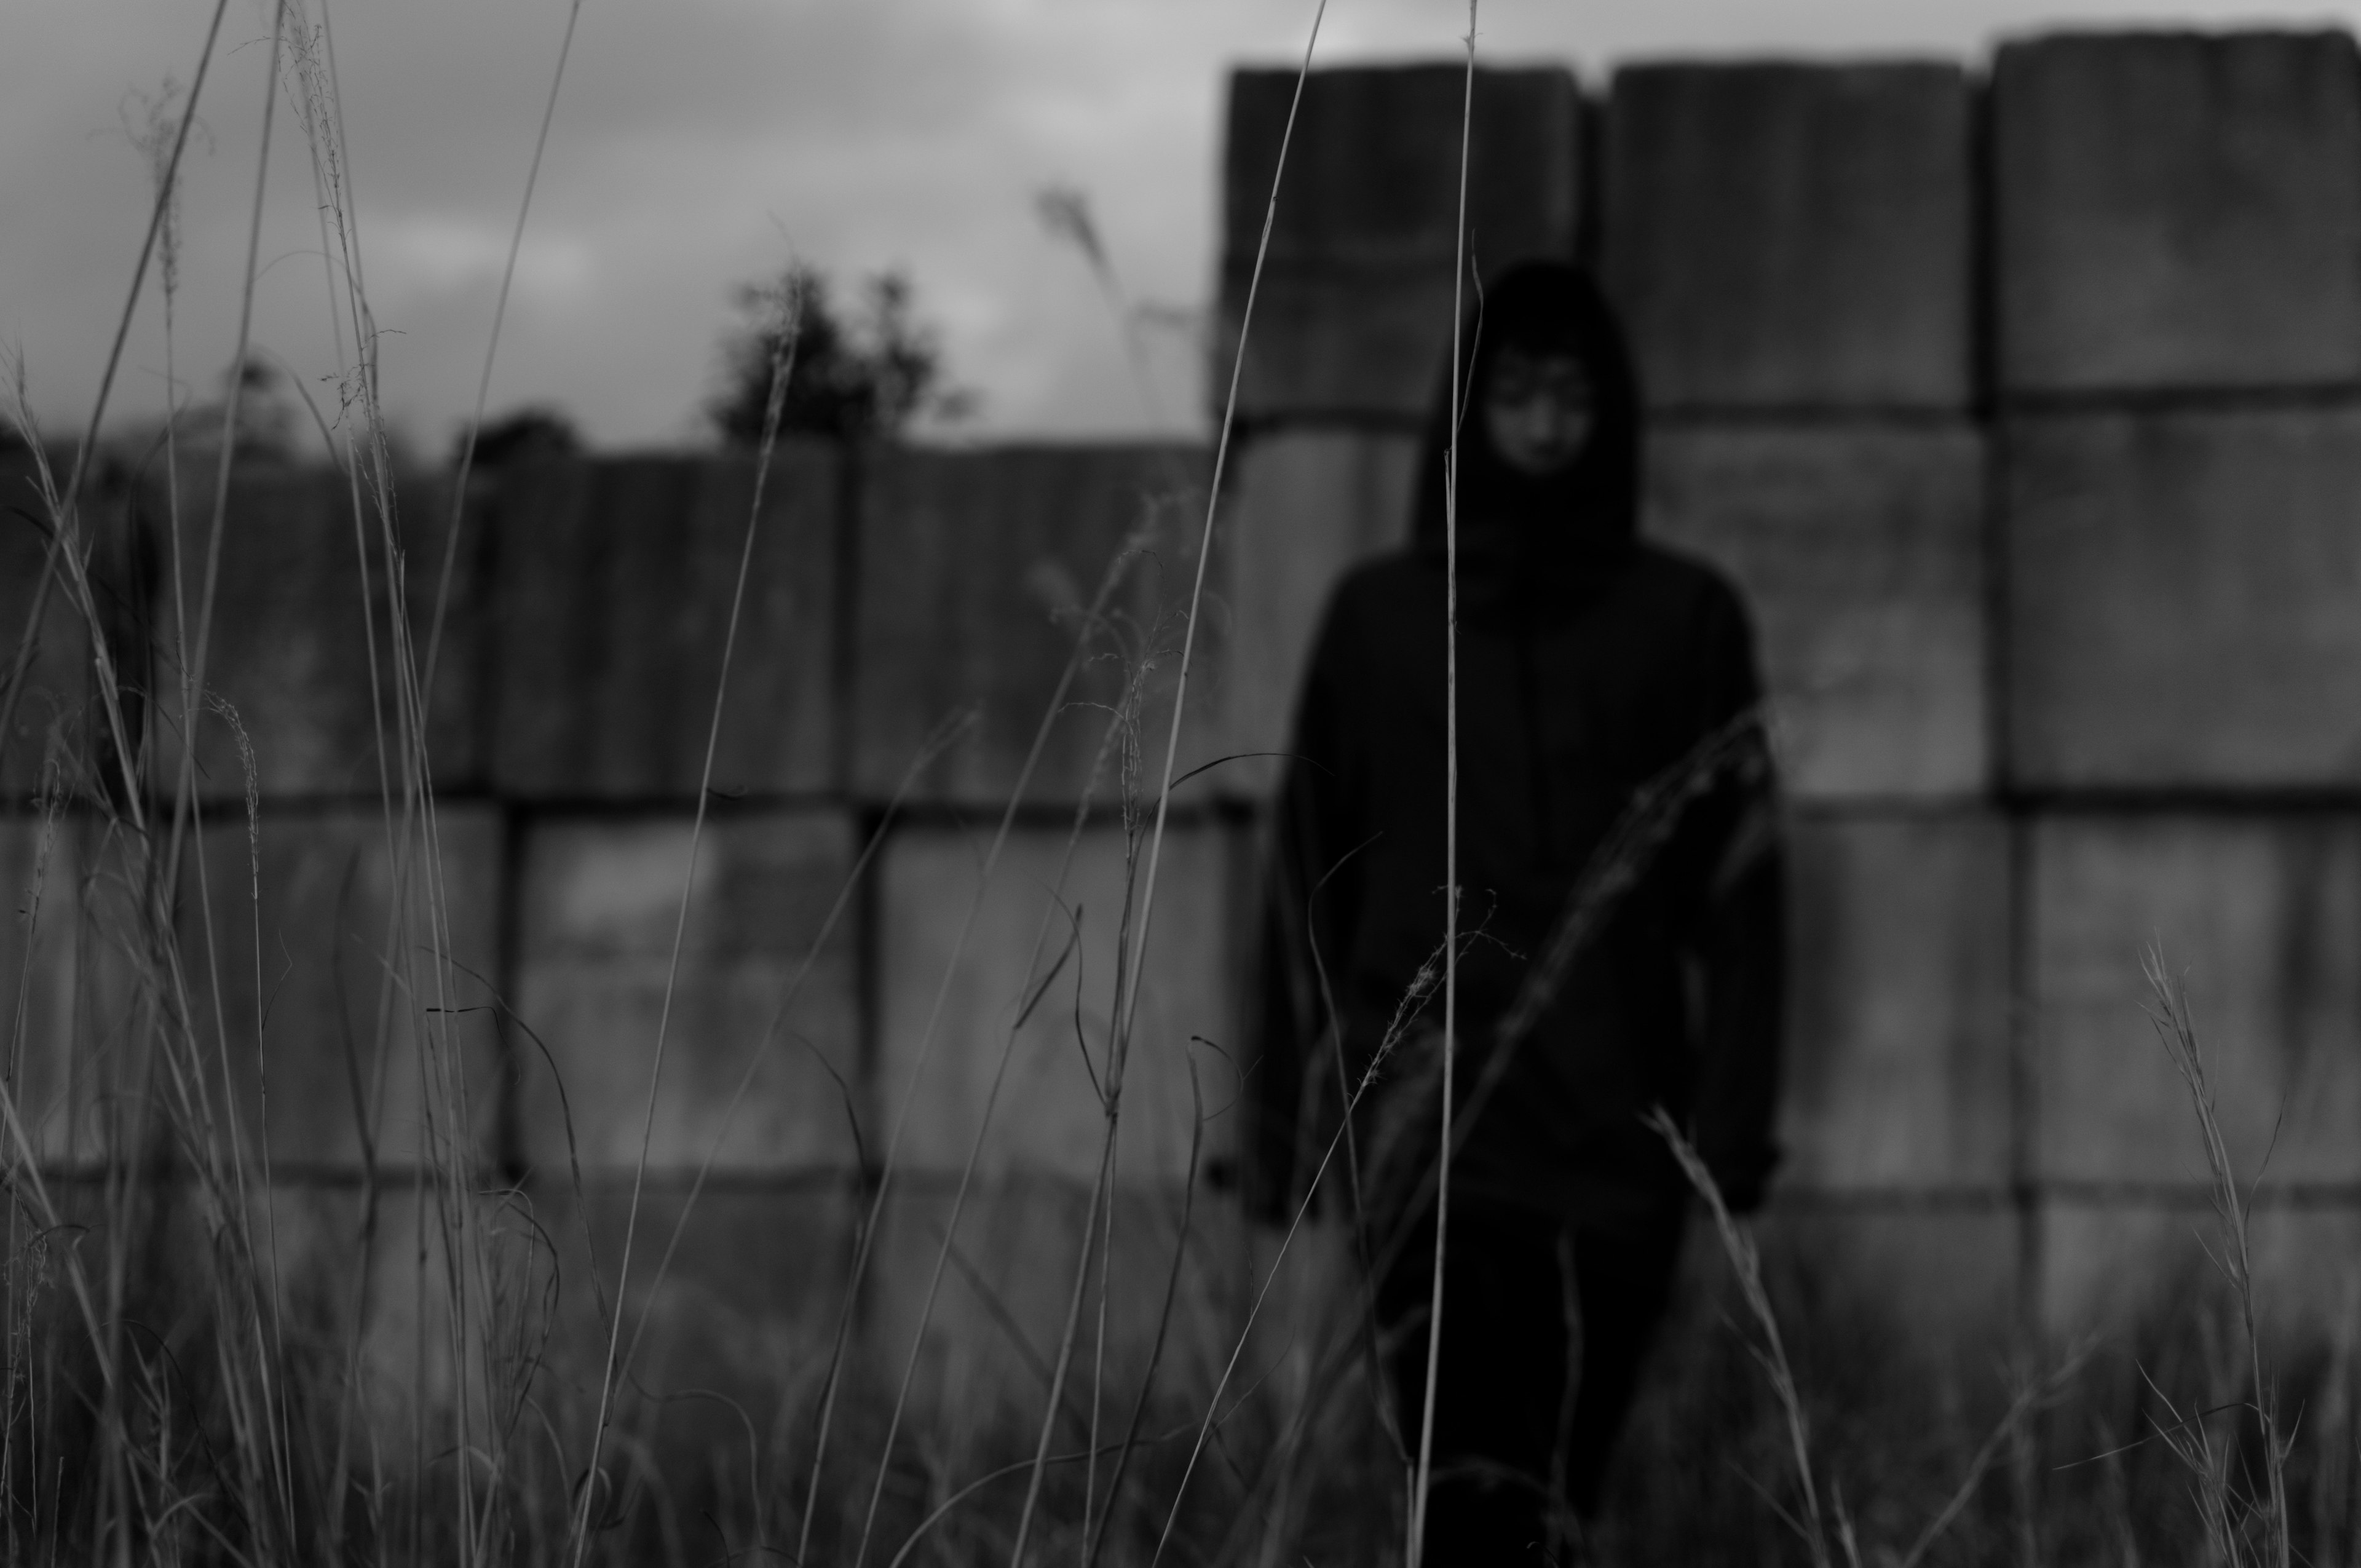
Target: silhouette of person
x=1601, y=682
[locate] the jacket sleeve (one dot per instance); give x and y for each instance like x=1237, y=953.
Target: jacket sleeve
x=1311, y=901
x=1738, y=941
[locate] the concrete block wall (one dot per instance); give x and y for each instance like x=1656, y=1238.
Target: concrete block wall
x=907, y=619
x=2019, y=401
x=2177, y=271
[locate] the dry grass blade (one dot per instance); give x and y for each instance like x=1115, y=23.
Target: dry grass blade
x=2175, y=1029
x=491, y=348
x=167, y=189
x=1128, y=1002
x=1415, y=1549
x=2028, y=1398
x=782, y=369
x=1093, y=621
x=1747, y=1264
x=1422, y=988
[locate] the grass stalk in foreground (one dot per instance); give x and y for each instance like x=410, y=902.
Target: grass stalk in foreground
x=64, y=537
x=2232, y=1520
x=1127, y=998
x=783, y=364
x=1093, y=621
x=491, y=349
x=1414, y=1551
x=1746, y=1263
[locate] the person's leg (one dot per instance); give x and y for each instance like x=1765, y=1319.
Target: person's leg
x=1622, y=1281
x=1496, y=1395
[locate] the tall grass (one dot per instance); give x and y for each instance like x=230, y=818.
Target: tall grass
x=438, y=1366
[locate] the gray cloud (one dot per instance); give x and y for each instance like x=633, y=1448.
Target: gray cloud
x=696, y=141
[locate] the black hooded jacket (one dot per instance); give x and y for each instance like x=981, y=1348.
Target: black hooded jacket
x=1591, y=666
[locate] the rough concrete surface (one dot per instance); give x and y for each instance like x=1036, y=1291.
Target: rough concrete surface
x=1897, y=1072
x=599, y=902
x=978, y=573
x=1793, y=236
x=1307, y=504
x=358, y=1024
x=1049, y=1117
x=615, y=580
x=1860, y=552
x=1354, y=315
x=290, y=641
x=2175, y=211
x=2260, y=919
x=2184, y=598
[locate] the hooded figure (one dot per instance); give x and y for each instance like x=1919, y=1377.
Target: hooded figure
x=1600, y=682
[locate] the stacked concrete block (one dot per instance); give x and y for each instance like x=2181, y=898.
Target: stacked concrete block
x=301, y=592
x=2175, y=212
x=990, y=1344
x=1035, y=984
x=40, y=954
x=749, y=1301
x=1784, y=237
x=1352, y=320
x=69, y=992
x=2123, y=1266
x=2185, y=598
x=979, y=574
x=1792, y=250
x=1860, y=550
x=2177, y=298
x=1897, y=1075
x=764, y=995
x=1305, y=505
x=616, y=579
x=2260, y=919
x=344, y=985
x=1939, y=1280
x=55, y=695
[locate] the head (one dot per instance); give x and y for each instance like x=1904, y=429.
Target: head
x=1549, y=449
x=1536, y=408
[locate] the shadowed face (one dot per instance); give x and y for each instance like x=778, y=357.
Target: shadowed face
x=1537, y=411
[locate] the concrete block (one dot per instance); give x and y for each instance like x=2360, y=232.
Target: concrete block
x=290, y=643
x=1792, y=236
x=1307, y=506
x=304, y=976
x=598, y=904
x=1353, y=317
x=69, y=994
x=1921, y=1284
x=749, y=1301
x=2262, y=919
x=1897, y=1076
x=978, y=570
x=40, y=954
x=992, y=1338
x=374, y=1280
x=2184, y=598
x=2175, y=210
x=1048, y=1117
x=615, y=583
x=58, y=695
x=2143, y=1269
x=1860, y=552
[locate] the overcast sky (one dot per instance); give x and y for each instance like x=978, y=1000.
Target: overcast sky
x=697, y=141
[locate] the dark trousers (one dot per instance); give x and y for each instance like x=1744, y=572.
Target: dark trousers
x=1545, y=1324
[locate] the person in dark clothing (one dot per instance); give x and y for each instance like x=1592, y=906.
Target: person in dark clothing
x=1613, y=783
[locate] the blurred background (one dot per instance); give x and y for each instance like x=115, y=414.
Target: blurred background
x=2007, y=357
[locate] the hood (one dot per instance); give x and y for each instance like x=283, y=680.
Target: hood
x=1529, y=542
